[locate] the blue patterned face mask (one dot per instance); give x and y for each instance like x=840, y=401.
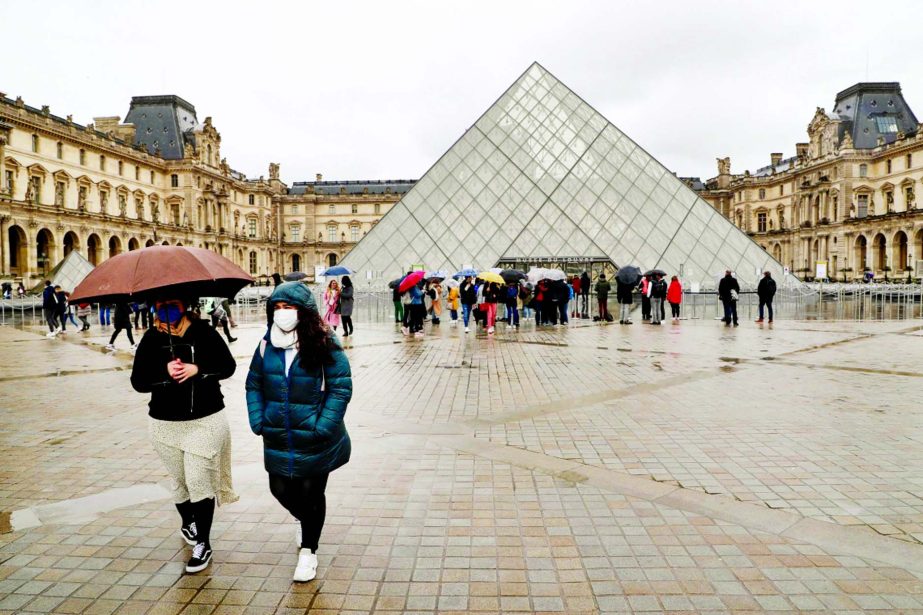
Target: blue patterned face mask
x=169, y=314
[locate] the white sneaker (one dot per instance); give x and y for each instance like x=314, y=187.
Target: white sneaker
x=467, y=330
x=110, y=347
x=405, y=330
x=490, y=329
x=418, y=334
x=51, y=334
x=307, y=566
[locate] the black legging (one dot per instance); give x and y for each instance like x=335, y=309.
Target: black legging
x=127, y=330
x=304, y=498
x=347, y=325
x=674, y=309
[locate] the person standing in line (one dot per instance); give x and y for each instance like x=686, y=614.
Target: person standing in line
x=417, y=309
x=675, y=297
x=180, y=362
x=564, y=293
x=398, y=305
x=657, y=290
x=575, y=286
x=435, y=295
x=645, y=298
x=50, y=309
x=603, y=288
x=766, y=290
x=585, y=294
x=468, y=295
x=21, y=290
x=623, y=294
x=729, y=292
x=332, y=305
x=492, y=296
x=525, y=295
x=105, y=313
x=452, y=302
x=512, y=303
x=121, y=320
x=347, y=300
x=83, y=313
x=298, y=389
x=541, y=292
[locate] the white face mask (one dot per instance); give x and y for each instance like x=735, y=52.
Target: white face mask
x=286, y=320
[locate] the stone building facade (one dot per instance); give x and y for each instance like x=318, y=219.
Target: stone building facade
x=846, y=201
x=159, y=178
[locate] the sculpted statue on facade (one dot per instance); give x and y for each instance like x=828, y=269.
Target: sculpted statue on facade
x=724, y=166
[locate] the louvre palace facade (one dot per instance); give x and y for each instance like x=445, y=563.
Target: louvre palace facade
x=845, y=203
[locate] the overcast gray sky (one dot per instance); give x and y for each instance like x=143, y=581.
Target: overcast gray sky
x=374, y=90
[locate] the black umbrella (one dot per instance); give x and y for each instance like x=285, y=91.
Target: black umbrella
x=655, y=272
x=630, y=275
x=295, y=276
x=511, y=276
x=395, y=283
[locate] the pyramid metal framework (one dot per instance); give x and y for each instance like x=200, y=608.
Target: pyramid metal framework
x=542, y=175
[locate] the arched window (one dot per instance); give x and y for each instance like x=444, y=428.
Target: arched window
x=331, y=259
x=296, y=262
x=252, y=262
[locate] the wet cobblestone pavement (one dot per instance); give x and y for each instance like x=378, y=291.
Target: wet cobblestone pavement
x=594, y=469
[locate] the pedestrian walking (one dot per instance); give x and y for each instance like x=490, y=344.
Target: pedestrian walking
x=729, y=292
x=585, y=294
x=298, y=389
x=122, y=321
x=645, y=298
x=467, y=294
x=332, y=305
x=226, y=304
x=21, y=290
x=83, y=313
x=61, y=298
x=181, y=362
x=347, y=300
x=766, y=290
x=220, y=316
x=657, y=292
x=675, y=297
x=50, y=309
x=624, y=295
x=453, y=303
x=603, y=288
x=141, y=311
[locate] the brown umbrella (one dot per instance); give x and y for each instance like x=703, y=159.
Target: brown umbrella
x=162, y=271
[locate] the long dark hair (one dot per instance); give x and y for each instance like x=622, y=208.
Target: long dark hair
x=315, y=344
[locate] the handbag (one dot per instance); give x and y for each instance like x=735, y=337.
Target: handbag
x=733, y=295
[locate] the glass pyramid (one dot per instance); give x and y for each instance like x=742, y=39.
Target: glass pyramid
x=541, y=176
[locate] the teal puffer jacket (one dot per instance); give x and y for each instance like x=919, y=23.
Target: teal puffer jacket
x=299, y=416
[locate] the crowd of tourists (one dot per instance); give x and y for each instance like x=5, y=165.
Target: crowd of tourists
x=476, y=302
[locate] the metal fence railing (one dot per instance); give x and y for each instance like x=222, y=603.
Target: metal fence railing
x=814, y=301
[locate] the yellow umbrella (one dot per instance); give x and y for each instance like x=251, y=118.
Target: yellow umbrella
x=490, y=276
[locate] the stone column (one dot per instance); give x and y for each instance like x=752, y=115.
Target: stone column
x=4, y=239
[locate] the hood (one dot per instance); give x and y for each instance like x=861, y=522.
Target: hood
x=294, y=293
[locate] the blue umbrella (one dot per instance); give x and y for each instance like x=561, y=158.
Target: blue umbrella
x=338, y=270
x=466, y=273
x=436, y=275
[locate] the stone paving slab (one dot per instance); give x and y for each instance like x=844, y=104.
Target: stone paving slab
x=540, y=471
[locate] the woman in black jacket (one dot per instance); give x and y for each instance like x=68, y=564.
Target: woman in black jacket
x=468, y=294
x=180, y=362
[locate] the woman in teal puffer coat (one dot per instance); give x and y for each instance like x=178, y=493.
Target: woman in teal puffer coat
x=297, y=391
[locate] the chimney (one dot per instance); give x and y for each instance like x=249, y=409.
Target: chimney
x=775, y=158
x=319, y=177
x=801, y=149
x=106, y=124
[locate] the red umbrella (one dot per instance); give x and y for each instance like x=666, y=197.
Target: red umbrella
x=411, y=279
x=161, y=270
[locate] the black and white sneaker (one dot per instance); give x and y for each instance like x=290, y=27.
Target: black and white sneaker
x=201, y=558
x=188, y=532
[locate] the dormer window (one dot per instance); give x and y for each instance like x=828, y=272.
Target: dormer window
x=887, y=124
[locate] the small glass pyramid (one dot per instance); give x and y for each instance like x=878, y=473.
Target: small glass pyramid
x=542, y=176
